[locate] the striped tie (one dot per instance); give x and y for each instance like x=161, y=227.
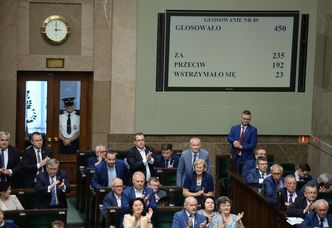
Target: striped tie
x=53, y=195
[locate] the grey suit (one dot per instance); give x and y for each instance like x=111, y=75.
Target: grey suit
x=185, y=166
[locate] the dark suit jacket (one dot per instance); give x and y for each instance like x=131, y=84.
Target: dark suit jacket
x=135, y=161
x=29, y=162
x=109, y=201
x=9, y=224
x=207, y=182
x=129, y=194
x=90, y=162
x=311, y=220
x=14, y=163
x=100, y=176
x=159, y=161
x=249, y=142
x=43, y=198
x=253, y=177
x=181, y=218
x=296, y=210
x=270, y=189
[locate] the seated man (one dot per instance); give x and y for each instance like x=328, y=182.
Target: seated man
x=113, y=198
x=93, y=161
x=257, y=175
x=302, y=175
x=274, y=184
x=166, y=159
x=158, y=194
x=188, y=216
x=289, y=193
x=319, y=218
x=323, y=183
x=138, y=190
x=252, y=164
x=51, y=187
x=303, y=204
x=109, y=169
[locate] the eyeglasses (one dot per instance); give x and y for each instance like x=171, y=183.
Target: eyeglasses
x=118, y=186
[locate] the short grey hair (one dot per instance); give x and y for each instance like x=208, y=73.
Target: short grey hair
x=320, y=201
x=53, y=161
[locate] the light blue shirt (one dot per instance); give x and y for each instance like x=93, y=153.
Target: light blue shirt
x=111, y=174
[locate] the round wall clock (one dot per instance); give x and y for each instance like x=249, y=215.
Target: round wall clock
x=55, y=30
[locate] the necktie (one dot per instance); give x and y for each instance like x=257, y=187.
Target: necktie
x=195, y=156
x=2, y=162
x=290, y=198
x=53, y=194
x=39, y=160
x=166, y=163
x=321, y=223
x=240, y=140
x=262, y=175
x=68, y=125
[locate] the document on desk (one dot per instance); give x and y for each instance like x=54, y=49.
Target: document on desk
x=294, y=220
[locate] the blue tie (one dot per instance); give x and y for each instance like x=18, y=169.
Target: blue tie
x=53, y=194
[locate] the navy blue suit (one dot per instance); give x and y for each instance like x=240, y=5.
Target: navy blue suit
x=247, y=166
x=311, y=220
x=9, y=224
x=100, y=176
x=129, y=194
x=43, y=197
x=91, y=161
x=109, y=201
x=159, y=161
x=270, y=189
x=249, y=142
x=253, y=177
x=207, y=182
x=180, y=219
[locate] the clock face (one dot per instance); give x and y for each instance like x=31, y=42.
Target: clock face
x=55, y=30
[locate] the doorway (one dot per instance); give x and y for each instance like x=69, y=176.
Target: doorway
x=44, y=100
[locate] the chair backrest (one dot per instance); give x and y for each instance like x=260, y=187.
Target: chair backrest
x=167, y=176
x=26, y=196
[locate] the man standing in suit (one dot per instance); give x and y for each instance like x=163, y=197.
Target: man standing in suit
x=140, y=157
x=166, y=159
x=189, y=217
x=109, y=169
x=319, y=218
x=302, y=175
x=187, y=159
x=257, y=175
x=10, y=162
x=51, y=187
x=243, y=138
x=113, y=198
x=138, y=190
x=35, y=157
x=303, y=204
x=274, y=184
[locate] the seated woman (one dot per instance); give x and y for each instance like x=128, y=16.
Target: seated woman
x=137, y=217
x=199, y=183
x=224, y=219
x=7, y=201
x=208, y=208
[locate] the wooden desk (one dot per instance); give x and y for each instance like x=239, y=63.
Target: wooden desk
x=257, y=211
